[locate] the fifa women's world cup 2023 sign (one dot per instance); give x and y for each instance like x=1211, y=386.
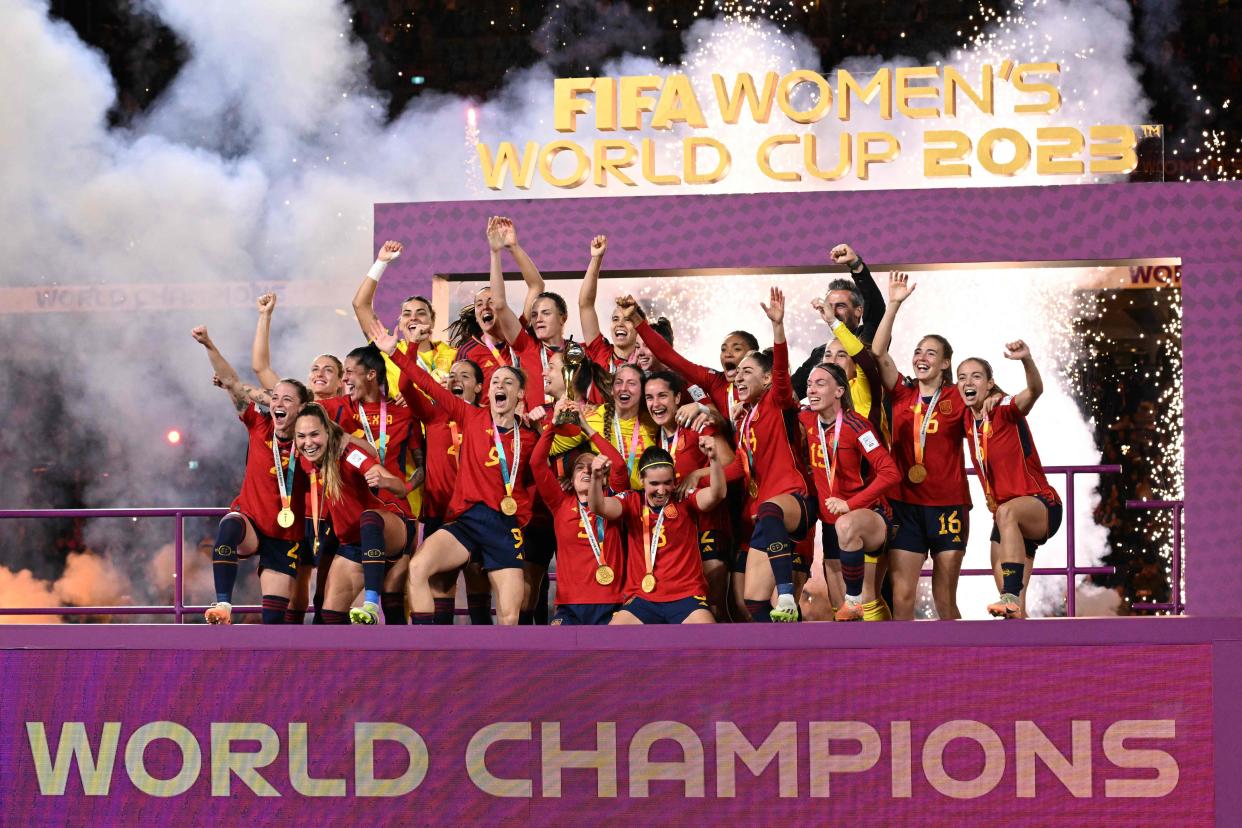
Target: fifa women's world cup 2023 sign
x=634, y=103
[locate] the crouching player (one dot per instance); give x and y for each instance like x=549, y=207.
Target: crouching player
x=590, y=557
x=853, y=471
x=665, y=571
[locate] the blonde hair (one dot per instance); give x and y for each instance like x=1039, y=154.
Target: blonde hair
x=330, y=470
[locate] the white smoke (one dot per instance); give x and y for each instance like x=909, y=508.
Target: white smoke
x=262, y=161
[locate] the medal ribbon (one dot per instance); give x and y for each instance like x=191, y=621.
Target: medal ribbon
x=430, y=362
x=745, y=435
x=382, y=446
x=920, y=424
x=631, y=459
x=652, y=542
x=284, y=477
x=509, y=476
x=981, y=452
x=496, y=352
x=823, y=447
x=592, y=532
x=455, y=436
x=314, y=493
x=670, y=445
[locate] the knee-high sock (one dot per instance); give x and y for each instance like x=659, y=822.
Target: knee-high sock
x=444, y=611
x=853, y=570
x=293, y=616
x=760, y=611
x=393, y=604
x=479, y=604
x=770, y=531
x=373, y=564
x=334, y=617
x=229, y=536
x=1011, y=577
x=274, y=607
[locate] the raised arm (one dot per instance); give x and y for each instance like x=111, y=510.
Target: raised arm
x=412, y=368
x=1026, y=398
x=873, y=300
x=364, y=298
x=590, y=289
x=530, y=274
x=545, y=481
x=225, y=376
x=261, y=350
x=711, y=497
x=659, y=347
x=509, y=324
x=609, y=507
x=899, y=290
x=781, y=389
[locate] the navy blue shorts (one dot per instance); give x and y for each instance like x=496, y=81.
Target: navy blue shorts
x=328, y=544
x=282, y=556
x=713, y=547
x=492, y=539
x=933, y=529
x=832, y=550
x=540, y=543
x=1055, y=514
x=353, y=552
x=665, y=612
x=430, y=525
x=583, y=615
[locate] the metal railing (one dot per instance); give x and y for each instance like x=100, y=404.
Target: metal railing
x=179, y=608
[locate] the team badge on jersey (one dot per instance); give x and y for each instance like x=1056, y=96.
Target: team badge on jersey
x=946, y=406
x=670, y=512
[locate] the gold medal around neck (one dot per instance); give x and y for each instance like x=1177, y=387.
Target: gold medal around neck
x=649, y=583
x=917, y=473
x=753, y=489
x=604, y=575
x=285, y=518
x=508, y=505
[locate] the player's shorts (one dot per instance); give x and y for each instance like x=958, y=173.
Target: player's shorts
x=665, y=612
x=328, y=542
x=353, y=552
x=583, y=615
x=492, y=539
x=804, y=554
x=540, y=544
x=933, y=529
x=430, y=525
x=282, y=556
x=1055, y=514
x=714, y=545
x=828, y=534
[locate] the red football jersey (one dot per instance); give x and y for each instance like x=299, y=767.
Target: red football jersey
x=345, y=510
x=442, y=438
x=678, y=566
x=688, y=458
x=487, y=357
x=479, y=475
x=399, y=436
x=575, y=558
x=865, y=471
x=762, y=428
x=943, y=454
x=1009, y=454
x=259, y=499
x=602, y=353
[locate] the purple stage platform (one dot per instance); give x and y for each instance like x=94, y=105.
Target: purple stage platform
x=1089, y=721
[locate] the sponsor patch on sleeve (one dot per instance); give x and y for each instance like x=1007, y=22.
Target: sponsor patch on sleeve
x=868, y=441
x=355, y=458
x=1007, y=399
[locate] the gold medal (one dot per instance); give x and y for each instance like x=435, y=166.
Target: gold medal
x=604, y=575
x=753, y=489
x=649, y=583
x=508, y=505
x=917, y=473
x=285, y=518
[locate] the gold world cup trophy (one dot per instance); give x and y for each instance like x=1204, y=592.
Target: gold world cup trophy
x=571, y=361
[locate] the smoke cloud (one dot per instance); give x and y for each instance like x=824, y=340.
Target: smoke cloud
x=261, y=162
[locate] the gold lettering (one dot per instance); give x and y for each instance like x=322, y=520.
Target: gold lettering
x=605, y=165
x=744, y=89
x=810, y=151
x=566, y=105
x=906, y=91
x=582, y=164
x=677, y=103
x=953, y=80
x=1113, y=150
x=936, y=160
x=795, y=79
x=520, y=167
x=765, y=157
x=866, y=157
x=881, y=84
x=648, y=152
x=1021, y=151
x=1058, y=158
x=690, y=154
x=633, y=102
x=1052, y=99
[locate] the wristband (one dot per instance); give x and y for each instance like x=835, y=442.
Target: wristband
x=696, y=393
x=377, y=270
x=859, y=263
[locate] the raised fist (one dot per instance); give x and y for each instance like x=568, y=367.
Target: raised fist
x=267, y=303
x=390, y=250
x=843, y=254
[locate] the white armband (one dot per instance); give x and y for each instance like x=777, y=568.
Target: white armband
x=377, y=270
x=696, y=393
